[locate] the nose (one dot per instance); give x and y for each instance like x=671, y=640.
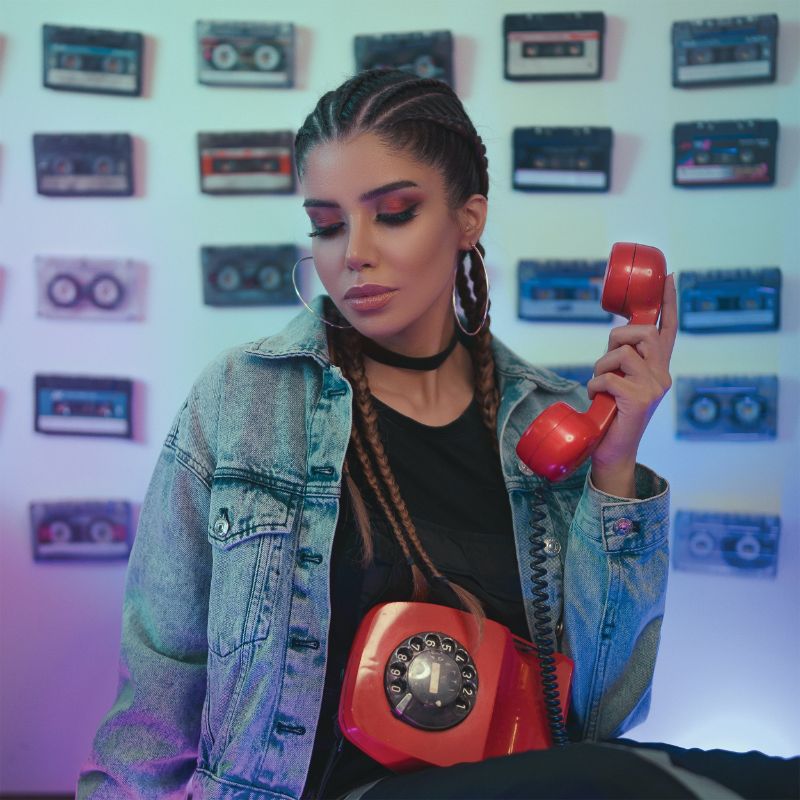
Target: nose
x=360, y=247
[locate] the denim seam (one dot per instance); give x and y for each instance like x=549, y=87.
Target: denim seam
x=267, y=793
x=194, y=466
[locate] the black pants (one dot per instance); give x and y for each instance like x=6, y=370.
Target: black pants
x=618, y=770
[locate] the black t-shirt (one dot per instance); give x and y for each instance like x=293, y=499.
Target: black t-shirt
x=451, y=481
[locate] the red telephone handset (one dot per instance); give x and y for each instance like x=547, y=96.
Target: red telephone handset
x=415, y=695
x=560, y=439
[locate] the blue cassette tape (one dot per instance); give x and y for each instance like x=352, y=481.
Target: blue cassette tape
x=712, y=52
x=249, y=275
x=582, y=373
x=732, y=300
x=726, y=543
x=738, y=408
x=725, y=153
x=91, y=60
x=78, y=406
x=561, y=291
x=562, y=159
x=426, y=54
x=82, y=529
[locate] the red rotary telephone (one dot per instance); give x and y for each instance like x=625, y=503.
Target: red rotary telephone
x=415, y=696
x=560, y=439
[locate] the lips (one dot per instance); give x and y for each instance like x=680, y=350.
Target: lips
x=367, y=290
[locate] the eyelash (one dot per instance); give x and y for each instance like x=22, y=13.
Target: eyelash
x=387, y=219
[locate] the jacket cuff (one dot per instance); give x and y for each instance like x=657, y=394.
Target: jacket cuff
x=621, y=524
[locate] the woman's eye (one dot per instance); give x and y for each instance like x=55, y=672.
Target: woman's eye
x=327, y=230
x=400, y=217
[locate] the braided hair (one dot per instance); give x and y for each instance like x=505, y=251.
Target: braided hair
x=426, y=119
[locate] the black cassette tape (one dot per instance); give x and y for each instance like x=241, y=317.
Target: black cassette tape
x=91, y=60
x=82, y=406
x=562, y=159
x=544, y=47
x=725, y=153
x=81, y=529
x=249, y=275
x=730, y=300
x=726, y=543
x=710, y=52
x=738, y=408
x=83, y=164
x=89, y=288
x=561, y=291
x=427, y=54
x=246, y=163
x=245, y=54
x=580, y=373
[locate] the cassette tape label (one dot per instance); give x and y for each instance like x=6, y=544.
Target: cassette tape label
x=553, y=46
x=246, y=54
x=89, y=60
x=426, y=54
x=736, y=300
x=561, y=291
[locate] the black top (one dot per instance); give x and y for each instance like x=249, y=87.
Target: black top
x=450, y=479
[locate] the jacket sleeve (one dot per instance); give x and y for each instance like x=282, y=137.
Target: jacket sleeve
x=146, y=746
x=615, y=580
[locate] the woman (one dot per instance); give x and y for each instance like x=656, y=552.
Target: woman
x=366, y=454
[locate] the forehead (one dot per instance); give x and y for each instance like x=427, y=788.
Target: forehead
x=345, y=169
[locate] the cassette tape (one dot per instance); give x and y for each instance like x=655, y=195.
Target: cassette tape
x=710, y=52
x=561, y=291
x=257, y=54
x=426, y=54
x=249, y=275
x=82, y=406
x=92, y=60
x=580, y=373
x=83, y=164
x=81, y=529
x=726, y=543
x=246, y=163
x=738, y=408
x=553, y=46
x=725, y=153
x=89, y=288
x=562, y=159
x=730, y=300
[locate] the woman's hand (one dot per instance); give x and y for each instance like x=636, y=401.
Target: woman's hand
x=642, y=353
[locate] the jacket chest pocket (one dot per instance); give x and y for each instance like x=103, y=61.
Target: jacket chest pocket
x=248, y=528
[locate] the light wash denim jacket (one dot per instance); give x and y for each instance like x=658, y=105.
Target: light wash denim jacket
x=226, y=609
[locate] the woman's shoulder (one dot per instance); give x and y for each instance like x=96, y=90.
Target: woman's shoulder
x=510, y=366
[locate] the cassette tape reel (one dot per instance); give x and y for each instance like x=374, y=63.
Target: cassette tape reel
x=553, y=46
x=83, y=406
x=739, y=408
x=730, y=301
x=86, y=288
x=726, y=543
x=562, y=159
x=424, y=54
x=733, y=50
x=83, y=165
x=248, y=275
x=85, y=529
x=246, y=163
x=561, y=291
x=725, y=153
x=245, y=54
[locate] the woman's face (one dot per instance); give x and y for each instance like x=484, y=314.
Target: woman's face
x=384, y=239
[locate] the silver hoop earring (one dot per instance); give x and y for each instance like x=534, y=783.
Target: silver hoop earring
x=486, y=307
x=308, y=307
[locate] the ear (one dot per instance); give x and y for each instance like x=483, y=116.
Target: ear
x=472, y=219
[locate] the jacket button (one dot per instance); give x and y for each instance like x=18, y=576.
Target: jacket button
x=552, y=547
x=221, y=526
x=524, y=468
x=623, y=526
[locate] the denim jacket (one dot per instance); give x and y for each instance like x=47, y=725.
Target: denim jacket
x=226, y=607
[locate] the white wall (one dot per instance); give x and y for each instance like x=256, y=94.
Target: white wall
x=727, y=672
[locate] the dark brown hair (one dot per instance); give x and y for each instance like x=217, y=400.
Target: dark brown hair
x=424, y=118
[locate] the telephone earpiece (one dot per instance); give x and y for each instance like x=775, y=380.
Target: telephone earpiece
x=560, y=439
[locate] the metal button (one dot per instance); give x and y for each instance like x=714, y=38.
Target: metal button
x=552, y=547
x=524, y=468
x=623, y=526
x=221, y=525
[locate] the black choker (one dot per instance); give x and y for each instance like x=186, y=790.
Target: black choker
x=392, y=359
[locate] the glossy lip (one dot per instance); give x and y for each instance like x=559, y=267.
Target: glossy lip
x=366, y=290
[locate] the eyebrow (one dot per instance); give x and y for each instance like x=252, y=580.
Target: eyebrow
x=370, y=195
